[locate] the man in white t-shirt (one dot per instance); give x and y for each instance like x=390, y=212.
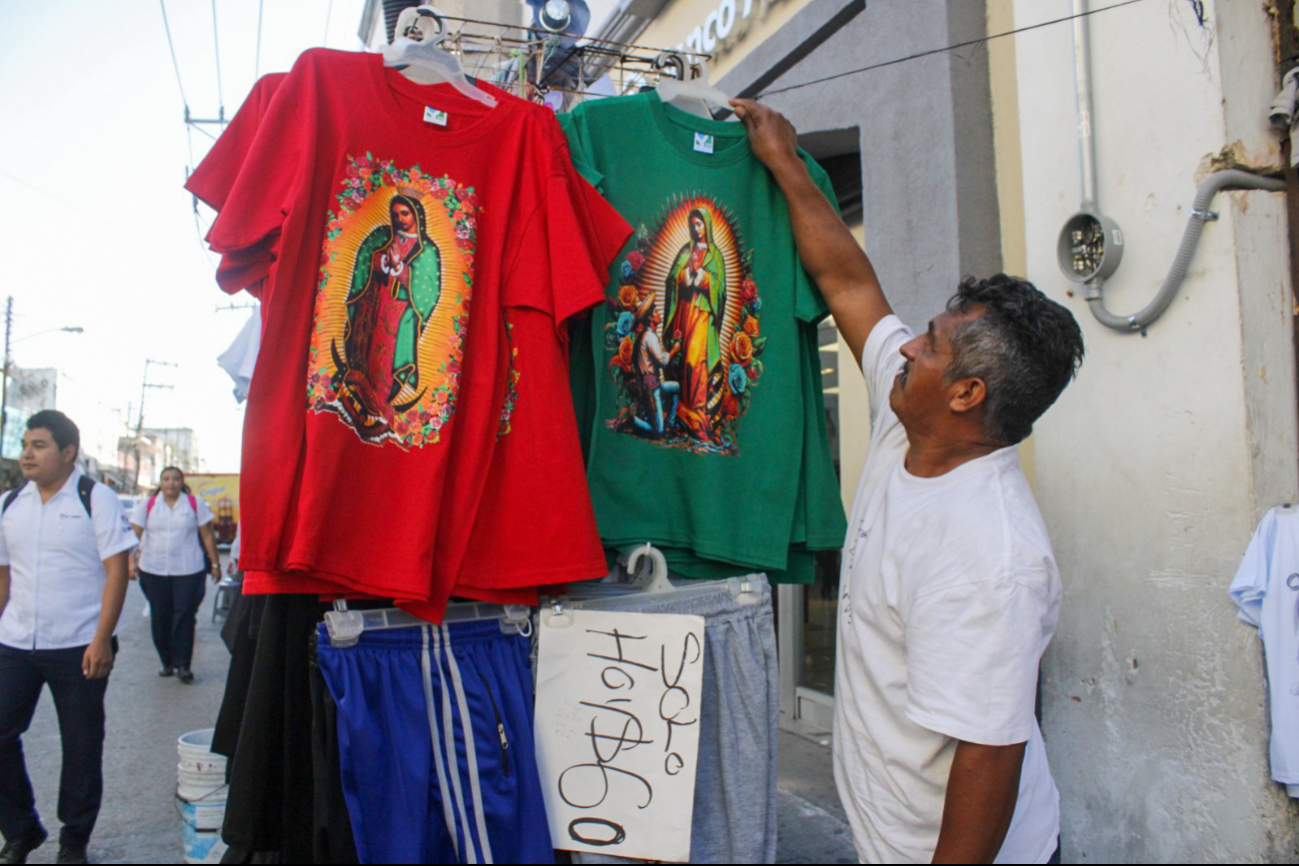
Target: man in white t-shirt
x=949, y=591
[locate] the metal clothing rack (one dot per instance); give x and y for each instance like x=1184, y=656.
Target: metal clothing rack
x=520, y=60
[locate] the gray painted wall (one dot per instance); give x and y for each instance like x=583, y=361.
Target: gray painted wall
x=924, y=129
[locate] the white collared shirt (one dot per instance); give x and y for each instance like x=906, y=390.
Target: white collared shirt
x=170, y=545
x=949, y=595
x=55, y=553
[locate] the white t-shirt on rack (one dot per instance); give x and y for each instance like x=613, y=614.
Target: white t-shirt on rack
x=1266, y=590
x=949, y=594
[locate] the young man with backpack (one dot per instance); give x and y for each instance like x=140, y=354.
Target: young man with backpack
x=63, y=576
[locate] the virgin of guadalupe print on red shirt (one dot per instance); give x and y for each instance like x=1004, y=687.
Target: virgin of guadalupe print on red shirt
x=684, y=331
x=392, y=303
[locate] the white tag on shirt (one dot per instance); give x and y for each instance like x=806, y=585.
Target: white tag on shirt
x=435, y=117
x=703, y=142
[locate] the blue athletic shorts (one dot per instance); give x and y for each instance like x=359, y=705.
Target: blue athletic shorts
x=436, y=745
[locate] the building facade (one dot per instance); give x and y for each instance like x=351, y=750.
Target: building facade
x=1156, y=464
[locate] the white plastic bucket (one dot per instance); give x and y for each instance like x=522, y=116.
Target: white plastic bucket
x=202, y=816
x=194, y=787
x=201, y=796
x=203, y=846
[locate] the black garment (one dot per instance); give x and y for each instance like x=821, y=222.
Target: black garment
x=270, y=805
x=285, y=802
x=80, y=706
x=240, y=637
x=334, y=842
x=173, y=614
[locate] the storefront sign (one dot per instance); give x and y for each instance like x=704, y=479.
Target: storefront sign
x=617, y=728
x=719, y=24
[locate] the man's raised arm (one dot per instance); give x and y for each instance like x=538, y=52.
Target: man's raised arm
x=829, y=252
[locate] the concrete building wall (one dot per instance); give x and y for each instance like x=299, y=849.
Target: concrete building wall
x=695, y=27
x=1155, y=465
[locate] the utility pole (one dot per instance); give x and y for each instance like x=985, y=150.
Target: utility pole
x=139, y=424
x=4, y=389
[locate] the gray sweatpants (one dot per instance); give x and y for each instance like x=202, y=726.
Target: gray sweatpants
x=735, y=786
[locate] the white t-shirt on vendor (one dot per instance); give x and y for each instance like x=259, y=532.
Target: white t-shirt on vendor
x=949, y=595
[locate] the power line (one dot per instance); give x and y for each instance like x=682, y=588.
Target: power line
x=10, y=177
x=945, y=48
x=216, y=45
x=257, y=58
x=329, y=13
x=174, y=64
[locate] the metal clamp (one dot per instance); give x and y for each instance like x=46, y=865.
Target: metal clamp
x=1207, y=215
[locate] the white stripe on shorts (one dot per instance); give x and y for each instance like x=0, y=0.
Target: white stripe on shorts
x=470, y=752
x=426, y=667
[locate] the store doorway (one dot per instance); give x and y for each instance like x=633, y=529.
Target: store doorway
x=807, y=616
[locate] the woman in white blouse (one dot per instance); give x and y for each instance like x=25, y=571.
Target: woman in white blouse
x=175, y=528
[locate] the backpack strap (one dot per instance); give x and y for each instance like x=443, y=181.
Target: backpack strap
x=13, y=494
x=85, y=484
x=148, y=509
x=193, y=504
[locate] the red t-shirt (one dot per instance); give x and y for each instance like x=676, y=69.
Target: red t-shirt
x=377, y=207
x=213, y=179
x=525, y=511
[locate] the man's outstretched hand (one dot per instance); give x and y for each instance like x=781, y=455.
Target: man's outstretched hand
x=837, y=265
x=772, y=137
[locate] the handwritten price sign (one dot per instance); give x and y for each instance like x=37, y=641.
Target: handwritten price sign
x=617, y=727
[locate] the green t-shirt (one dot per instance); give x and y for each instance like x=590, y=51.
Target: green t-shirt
x=693, y=382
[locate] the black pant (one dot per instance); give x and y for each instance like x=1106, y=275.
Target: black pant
x=173, y=612
x=80, y=706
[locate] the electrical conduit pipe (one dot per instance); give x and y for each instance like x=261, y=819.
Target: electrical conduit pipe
x=1200, y=214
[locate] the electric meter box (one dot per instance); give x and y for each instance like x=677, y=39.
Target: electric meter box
x=1090, y=247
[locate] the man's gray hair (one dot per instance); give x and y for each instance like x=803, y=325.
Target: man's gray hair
x=1025, y=347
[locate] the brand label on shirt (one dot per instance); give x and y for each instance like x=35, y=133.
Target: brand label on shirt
x=703, y=142
x=438, y=118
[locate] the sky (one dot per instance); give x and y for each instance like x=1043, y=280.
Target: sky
x=97, y=230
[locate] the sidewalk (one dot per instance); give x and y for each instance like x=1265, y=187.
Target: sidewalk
x=813, y=827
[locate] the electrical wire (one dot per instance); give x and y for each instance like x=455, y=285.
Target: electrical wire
x=967, y=43
x=15, y=179
x=329, y=13
x=216, y=46
x=257, y=58
x=174, y=64
x=202, y=243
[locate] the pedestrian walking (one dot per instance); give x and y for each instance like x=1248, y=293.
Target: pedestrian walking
x=177, y=549
x=63, y=578
x=949, y=592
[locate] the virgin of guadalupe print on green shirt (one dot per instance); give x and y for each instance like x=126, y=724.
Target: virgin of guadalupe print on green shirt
x=683, y=332
x=710, y=282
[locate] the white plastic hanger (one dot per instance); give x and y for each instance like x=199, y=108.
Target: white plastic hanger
x=424, y=61
x=655, y=581
x=346, y=626
x=693, y=95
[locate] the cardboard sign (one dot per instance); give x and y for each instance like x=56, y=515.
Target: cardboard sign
x=617, y=730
